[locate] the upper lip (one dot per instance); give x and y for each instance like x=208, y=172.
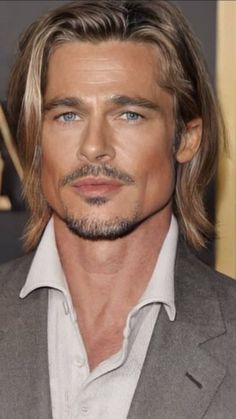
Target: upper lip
x=96, y=181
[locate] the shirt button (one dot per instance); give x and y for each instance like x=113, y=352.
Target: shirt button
x=79, y=362
x=84, y=410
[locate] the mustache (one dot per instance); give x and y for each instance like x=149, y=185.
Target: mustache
x=97, y=170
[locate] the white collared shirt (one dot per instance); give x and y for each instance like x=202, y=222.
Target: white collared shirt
x=107, y=391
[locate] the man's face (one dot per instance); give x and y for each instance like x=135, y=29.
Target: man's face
x=107, y=138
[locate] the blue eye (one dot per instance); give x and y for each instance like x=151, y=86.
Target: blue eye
x=131, y=116
x=68, y=117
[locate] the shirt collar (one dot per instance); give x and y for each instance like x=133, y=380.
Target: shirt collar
x=160, y=288
x=46, y=271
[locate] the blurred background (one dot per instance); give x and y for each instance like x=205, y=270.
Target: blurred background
x=214, y=22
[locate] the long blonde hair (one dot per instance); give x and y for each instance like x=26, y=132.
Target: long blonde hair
x=183, y=73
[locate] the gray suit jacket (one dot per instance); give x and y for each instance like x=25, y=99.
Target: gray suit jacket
x=190, y=368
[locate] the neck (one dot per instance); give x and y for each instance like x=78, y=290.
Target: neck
x=111, y=266
x=107, y=278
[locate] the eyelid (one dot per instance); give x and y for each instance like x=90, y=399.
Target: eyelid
x=61, y=114
x=141, y=116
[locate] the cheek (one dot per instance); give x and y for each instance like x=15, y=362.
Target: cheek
x=56, y=158
x=160, y=175
x=157, y=176
x=49, y=156
x=155, y=159
x=48, y=179
x=58, y=147
x=50, y=171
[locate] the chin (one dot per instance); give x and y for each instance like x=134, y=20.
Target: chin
x=92, y=229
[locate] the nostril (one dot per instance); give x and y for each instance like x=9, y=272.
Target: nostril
x=102, y=157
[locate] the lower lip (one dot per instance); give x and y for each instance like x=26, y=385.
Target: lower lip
x=97, y=189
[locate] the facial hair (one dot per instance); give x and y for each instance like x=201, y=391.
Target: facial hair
x=92, y=229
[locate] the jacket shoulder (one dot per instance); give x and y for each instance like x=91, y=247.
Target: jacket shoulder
x=226, y=290
x=15, y=271
x=205, y=276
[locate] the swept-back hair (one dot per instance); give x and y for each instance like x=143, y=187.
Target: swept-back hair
x=183, y=74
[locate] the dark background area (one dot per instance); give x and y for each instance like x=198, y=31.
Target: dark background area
x=15, y=17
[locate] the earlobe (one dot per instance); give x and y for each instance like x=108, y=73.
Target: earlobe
x=190, y=141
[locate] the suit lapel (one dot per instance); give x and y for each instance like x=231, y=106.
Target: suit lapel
x=24, y=378
x=179, y=376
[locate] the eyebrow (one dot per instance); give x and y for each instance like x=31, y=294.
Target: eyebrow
x=134, y=101
x=65, y=101
x=122, y=100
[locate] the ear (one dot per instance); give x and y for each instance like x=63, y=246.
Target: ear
x=190, y=141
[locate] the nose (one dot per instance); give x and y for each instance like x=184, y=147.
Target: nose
x=96, y=143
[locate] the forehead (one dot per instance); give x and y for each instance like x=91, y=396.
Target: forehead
x=103, y=66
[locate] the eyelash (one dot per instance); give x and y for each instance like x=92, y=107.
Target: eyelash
x=138, y=115
x=58, y=118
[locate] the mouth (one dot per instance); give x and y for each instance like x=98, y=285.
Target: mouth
x=92, y=186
